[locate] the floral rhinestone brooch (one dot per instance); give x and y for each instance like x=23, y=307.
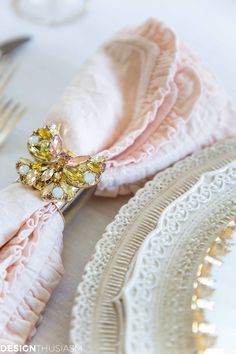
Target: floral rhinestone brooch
x=55, y=171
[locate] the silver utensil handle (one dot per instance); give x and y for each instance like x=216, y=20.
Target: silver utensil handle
x=69, y=210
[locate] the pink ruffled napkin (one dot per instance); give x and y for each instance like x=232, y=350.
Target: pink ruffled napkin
x=30, y=261
x=148, y=101
x=145, y=101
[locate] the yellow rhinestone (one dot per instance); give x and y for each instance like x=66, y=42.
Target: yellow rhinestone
x=82, y=167
x=205, y=270
x=31, y=177
x=94, y=167
x=41, y=151
x=73, y=175
x=198, y=316
x=47, y=192
x=37, y=166
x=57, y=176
x=44, y=145
x=24, y=161
x=44, y=133
x=69, y=190
x=47, y=174
x=228, y=233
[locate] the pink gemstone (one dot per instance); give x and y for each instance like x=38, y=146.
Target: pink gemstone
x=75, y=161
x=56, y=146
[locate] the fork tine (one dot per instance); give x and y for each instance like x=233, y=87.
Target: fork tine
x=6, y=72
x=13, y=116
x=2, y=101
x=4, y=105
x=12, y=121
x=8, y=110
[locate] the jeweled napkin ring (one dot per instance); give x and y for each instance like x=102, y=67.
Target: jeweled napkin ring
x=56, y=171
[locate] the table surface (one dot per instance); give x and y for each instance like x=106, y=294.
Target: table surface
x=48, y=63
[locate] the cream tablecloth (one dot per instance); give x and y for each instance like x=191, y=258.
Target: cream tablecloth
x=48, y=63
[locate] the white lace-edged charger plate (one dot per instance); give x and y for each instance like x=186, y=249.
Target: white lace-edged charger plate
x=157, y=298
x=99, y=324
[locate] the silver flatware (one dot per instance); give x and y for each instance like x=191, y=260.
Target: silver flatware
x=7, y=69
x=10, y=113
x=10, y=45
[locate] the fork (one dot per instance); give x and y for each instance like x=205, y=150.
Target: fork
x=6, y=72
x=10, y=114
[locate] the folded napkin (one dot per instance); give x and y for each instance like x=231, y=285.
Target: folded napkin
x=143, y=100
x=146, y=101
x=30, y=261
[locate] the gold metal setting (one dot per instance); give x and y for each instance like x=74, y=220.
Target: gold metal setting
x=55, y=171
x=205, y=332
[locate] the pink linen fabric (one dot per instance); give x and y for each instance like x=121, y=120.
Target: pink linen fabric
x=30, y=261
x=145, y=101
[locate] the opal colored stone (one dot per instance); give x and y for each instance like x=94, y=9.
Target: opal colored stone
x=57, y=192
x=34, y=139
x=90, y=177
x=24, y=169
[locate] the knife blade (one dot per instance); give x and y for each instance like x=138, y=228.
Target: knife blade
x=11, y=44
